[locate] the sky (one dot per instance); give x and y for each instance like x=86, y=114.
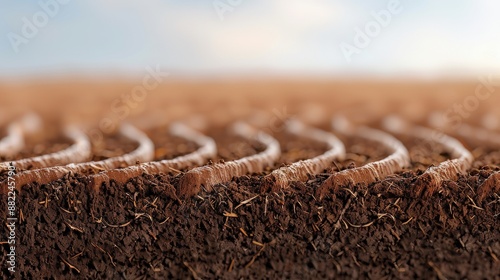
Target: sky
x=241, y=37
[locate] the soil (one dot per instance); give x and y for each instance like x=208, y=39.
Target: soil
x=295, y=148
x=358, y=153
x=41, y=145
x=114, y=145
x=168, y=146
x=142, y=230
x=232, y=147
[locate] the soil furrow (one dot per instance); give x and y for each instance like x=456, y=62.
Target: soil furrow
x=433, y=178
x=371, y=172
x=207, y=149
x=13, y=142
x=79, y=151
x=209, y=175
x=144, y=152
x=302, y=170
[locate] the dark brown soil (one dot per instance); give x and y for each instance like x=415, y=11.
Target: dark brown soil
x=295, y=148
x=168, y=146
x=231, y=147
x=424, y=154
x=359, y=152
x=141, y=230
x=114, y=145
x=41, y=145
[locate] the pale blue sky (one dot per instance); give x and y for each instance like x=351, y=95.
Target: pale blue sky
x=429, y=38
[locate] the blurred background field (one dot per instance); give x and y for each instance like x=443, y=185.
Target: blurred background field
x=313, y=101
